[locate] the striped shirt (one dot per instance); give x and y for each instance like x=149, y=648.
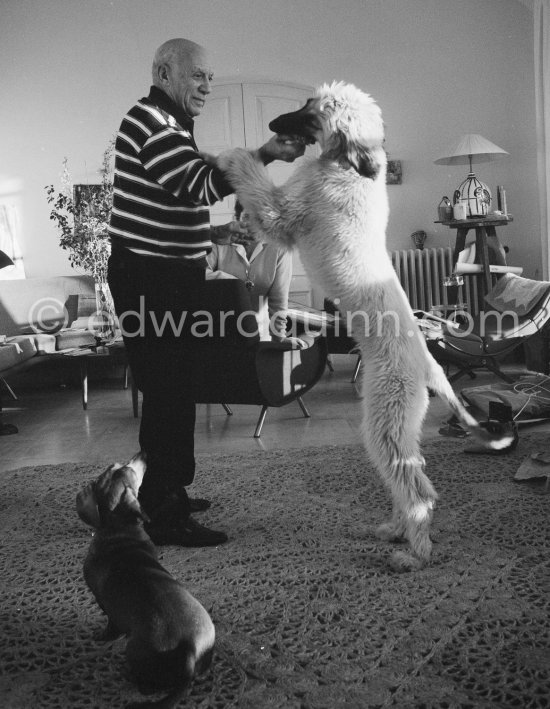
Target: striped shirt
x=162, y=187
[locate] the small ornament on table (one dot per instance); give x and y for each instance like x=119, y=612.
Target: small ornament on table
x=419, y=237
x=445, y=209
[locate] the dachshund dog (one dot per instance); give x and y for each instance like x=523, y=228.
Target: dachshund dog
x=170, y=634
x=334, y=210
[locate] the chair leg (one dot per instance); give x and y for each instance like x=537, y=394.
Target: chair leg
x=84, y=382
x=135, y=395
x=10, y=391
x=259, y=425
x=492, y=366
x=227, y=409
x=356, y=370
x=329, y=364
x=305, y=411
x=125, y=380
x=461, y=373
x=6, y=428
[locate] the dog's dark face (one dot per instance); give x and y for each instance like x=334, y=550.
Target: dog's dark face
x=113, y=496
x=303, y=123
x=345, y=122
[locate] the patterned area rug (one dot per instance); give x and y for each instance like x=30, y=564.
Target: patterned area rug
x=308, y=614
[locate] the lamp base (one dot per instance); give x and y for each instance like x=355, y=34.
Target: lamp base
x=476, y=195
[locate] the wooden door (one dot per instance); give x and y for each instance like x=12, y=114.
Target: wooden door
x=237, y=114
x=220, y=127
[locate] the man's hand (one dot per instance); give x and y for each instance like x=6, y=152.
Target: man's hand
x=294, y=343
x=210, y=160
x=281, y=147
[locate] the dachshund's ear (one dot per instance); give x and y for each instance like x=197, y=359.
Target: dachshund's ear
x=364, y=160
x=86, y=506
x=130, y=504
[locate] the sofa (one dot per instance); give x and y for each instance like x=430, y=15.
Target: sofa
x=41, y=317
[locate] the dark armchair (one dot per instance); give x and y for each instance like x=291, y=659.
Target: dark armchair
x=332, y=325
x=239, y=369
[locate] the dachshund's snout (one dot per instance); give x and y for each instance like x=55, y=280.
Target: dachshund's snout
x=118, y=486
x=139, y=465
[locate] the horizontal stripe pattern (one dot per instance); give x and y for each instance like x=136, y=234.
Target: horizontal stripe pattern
x=162, y=187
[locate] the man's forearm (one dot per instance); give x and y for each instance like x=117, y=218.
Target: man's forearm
x=220, y=234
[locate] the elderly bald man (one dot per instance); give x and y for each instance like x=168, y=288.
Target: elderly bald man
x=160, y=236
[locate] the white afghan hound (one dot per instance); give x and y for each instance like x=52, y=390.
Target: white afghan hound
x=334, y=210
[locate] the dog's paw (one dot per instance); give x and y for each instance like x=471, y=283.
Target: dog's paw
x=229, y=159
x=404, y=562
x=388, y=532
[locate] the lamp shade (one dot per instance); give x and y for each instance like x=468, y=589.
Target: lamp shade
x=471, y=147
x=5, y=260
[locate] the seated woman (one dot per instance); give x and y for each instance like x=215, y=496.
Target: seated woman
x=266, y=270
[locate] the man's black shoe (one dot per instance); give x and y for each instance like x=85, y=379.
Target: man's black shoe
x=174, y=505
x=198, y=504
x=184, y=534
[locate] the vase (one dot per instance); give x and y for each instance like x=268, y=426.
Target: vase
x=419, y=237
x=106, y=323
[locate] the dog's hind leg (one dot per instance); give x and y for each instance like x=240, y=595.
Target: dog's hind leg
x=393, y=413
x=415, y=497
x=394, y=530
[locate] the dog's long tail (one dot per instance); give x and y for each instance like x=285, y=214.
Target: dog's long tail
x=438, y=382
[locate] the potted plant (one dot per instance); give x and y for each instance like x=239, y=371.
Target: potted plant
x=81, y=213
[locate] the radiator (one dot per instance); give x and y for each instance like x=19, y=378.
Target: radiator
x=421, y=272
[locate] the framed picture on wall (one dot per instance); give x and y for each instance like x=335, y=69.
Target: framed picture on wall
x=394, y=174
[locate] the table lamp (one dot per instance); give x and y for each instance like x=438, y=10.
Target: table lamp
x=474, y=193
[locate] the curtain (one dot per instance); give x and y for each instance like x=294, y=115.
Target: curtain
x=9, y=244
x=541, y=12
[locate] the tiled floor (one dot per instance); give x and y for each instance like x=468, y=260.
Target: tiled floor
x=53, y=427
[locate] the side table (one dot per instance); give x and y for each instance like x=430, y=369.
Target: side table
x=488, y=247
x=117, y=354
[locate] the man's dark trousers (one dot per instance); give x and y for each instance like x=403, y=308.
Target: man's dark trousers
x=155, y=299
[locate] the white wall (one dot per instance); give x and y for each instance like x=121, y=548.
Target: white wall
x=438, y=69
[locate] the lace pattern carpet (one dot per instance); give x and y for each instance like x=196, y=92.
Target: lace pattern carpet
x=308, y=614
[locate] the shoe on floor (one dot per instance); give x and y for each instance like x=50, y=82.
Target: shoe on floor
x=184, y=534
x=198, y=504
x=173, y=505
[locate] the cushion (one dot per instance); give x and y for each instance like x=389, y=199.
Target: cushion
x=516, y=294
x=45, y=344
x=16, y=350
x=66, y=339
